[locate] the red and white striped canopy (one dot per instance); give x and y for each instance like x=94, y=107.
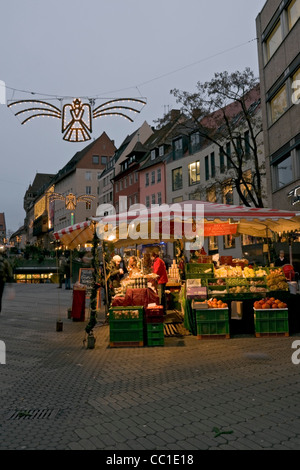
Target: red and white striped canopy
x=75, y=235
x=257, y=222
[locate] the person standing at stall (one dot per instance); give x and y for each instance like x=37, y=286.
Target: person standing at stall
x=159, y=268
x=116, y=272
x=281, y=260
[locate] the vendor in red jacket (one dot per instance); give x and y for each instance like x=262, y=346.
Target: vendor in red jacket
x=159, y=268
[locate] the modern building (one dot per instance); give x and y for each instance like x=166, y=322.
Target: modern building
x=278, y=33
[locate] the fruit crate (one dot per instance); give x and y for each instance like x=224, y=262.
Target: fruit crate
x=126, y=313
x=213, y=329
x=197, y=270
x=131, y=324
x=271, y=322
x=236, y=282
x=154, y=314
x=125, y=335
x=212, y=314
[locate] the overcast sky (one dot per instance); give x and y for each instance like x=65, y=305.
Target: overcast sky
x=106, y=49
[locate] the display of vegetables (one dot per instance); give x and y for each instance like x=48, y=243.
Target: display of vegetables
x=214, y=303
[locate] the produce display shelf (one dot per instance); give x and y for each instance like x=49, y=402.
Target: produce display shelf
x=126, y=313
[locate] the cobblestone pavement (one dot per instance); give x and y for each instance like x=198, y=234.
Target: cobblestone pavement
x=234, y=394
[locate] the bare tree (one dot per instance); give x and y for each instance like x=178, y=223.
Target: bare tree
x=226, y=109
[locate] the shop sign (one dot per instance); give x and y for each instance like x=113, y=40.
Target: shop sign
x=223, y=228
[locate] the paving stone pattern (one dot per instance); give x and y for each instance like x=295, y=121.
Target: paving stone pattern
x=57, y=394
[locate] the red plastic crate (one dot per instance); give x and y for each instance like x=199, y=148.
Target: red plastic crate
x=153, y=311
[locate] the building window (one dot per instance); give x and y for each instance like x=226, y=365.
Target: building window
x=195, y=142
x=95, y=159
x=222, y=160
x=153, y=199
x=177, y=199
x=194, y=173
x=293, y=12
x=136, y=177
x=88, y=175
x=158, y=175
x=227, y=193
x=153, y=154
x=103, y=160
x=206, y=168
x=279, y=104
x=212, y=165
x=178, y=148
x=153, y=177
x=147, y=201
x=247, y=144
x=125, y=182
x=228, y=153
x=161, y=151
x=88, y=205
x=274, y=40
x=177, y=179
x=229, y=241
x=121, y=185
x=147, y=179
x=158, y=198
x=117, y=187
x=136, y=198
x=283, y=172
x=296, y=87
x=88, y=190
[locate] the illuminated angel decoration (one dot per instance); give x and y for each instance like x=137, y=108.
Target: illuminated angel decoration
x=76, y=117
x=71, y=200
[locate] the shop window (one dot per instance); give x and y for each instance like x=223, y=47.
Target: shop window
x=194, y=173
x=177, y=199
x=211, y=194
x=283, y=172
x=177, y=179
x=212, y=243
x=227, y=193
x=274, y=40
x=279, y=104
x=229, y=241
x=293, y=12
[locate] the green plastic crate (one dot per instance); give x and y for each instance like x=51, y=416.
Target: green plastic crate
x=212, y=314
x=155, y=331
x=131, y=324
x=212, y=328
x=126, y=313
x=197, y=270
x=156, y=342
x=117, y=336
x=271, y=321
